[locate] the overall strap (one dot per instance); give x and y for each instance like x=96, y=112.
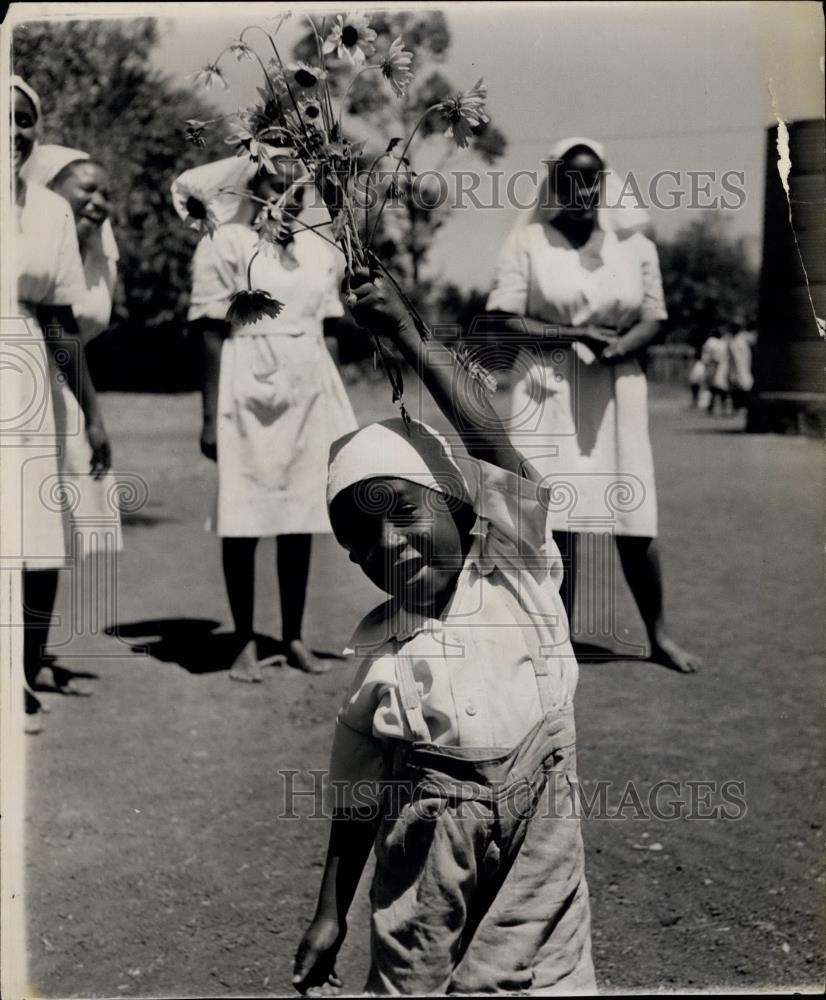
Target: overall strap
x=409, y=700
x=533, y=643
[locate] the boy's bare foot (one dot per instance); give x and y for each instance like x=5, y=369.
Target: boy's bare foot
x=246, y=667
x=669, y=654
x=301, y=658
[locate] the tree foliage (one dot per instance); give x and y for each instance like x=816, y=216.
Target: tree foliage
x=100, y=93
x=707, y=280
x=374, y=115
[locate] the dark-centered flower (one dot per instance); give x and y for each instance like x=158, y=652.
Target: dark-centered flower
x=199, y=215
x=396, y=66
x=306, y=76
x=250, y=305
x=351, y=36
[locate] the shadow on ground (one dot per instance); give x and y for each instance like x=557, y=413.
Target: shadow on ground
x=194, y=644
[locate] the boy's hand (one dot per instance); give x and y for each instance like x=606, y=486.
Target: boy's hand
x=375, y=304
x=314, y=966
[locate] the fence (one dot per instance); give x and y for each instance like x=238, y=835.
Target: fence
x=670, y=363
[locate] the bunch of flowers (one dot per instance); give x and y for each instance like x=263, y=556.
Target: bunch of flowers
x=296, y=111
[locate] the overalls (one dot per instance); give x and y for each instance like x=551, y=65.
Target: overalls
x=479, y=885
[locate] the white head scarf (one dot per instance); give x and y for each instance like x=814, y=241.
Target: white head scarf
x=30, y=92
x=45, y=163
x=612, y=216
x=222, y=184
x=392, y=450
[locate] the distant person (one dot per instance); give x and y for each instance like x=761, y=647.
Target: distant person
x=697, y=380
x=50, y=279
x=741, y=349
x=716, y=359
x=586, y=291
x=273, y=398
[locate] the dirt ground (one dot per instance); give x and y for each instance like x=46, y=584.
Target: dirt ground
x=157, y=860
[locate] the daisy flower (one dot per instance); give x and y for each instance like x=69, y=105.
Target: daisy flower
x=306, y=76
x=251, y=305
x=199, y=215
x=310, y=109
x=351, y=36
x=396, y=66
x=464, y=113
x=212, y=74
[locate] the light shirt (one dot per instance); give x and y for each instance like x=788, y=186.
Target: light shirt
x=93, y=310
x=474, y=666
x=608, y=282
x=308, y=292
x=49, y=267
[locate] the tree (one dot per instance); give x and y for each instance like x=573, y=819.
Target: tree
x=100, y=94
x=374, y=115
x=707, y=280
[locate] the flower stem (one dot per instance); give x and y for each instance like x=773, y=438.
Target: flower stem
x=428, y=111
x=287, y=84
x=326, y=106
x=249, y=270
x=260, y=60
x=346, y=93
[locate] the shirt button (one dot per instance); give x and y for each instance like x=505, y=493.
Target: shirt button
x=470, y=708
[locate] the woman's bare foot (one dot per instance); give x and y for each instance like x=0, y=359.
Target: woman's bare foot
x=33, y=708
x=669, y=654
x=301, y=658
x=32, y=724
x=68, y=682
x=246, y=667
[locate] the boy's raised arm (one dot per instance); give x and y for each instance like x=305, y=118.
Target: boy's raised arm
x=459, y=396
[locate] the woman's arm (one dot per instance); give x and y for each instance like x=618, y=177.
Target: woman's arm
x=458, y=395
x=526, y=330
x=63, y=339
x=351, y=837
x=212, y=332
x=631, y=342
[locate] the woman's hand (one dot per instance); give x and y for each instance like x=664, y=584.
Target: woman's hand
x=375, y=304
x=101, y=449
x=315, y=958
x=614, y=353
x=209, y=439
x=598, y=338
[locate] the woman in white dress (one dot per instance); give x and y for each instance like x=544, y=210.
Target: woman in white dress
x=50, y=280
x=579, y=288
x=94, y=523
x=273, y=398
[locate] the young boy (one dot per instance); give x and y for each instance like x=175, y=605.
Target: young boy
x=460, y=713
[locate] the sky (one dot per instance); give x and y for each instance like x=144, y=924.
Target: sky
x=668, y=86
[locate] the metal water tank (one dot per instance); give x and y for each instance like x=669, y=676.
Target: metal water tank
x=790, y=356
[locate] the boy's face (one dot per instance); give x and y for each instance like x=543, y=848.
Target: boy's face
x=411, y=541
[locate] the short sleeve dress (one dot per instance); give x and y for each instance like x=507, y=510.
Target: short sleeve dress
x=95, y=515
x=281, y=399
x=49, y=272
x=583, y=424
